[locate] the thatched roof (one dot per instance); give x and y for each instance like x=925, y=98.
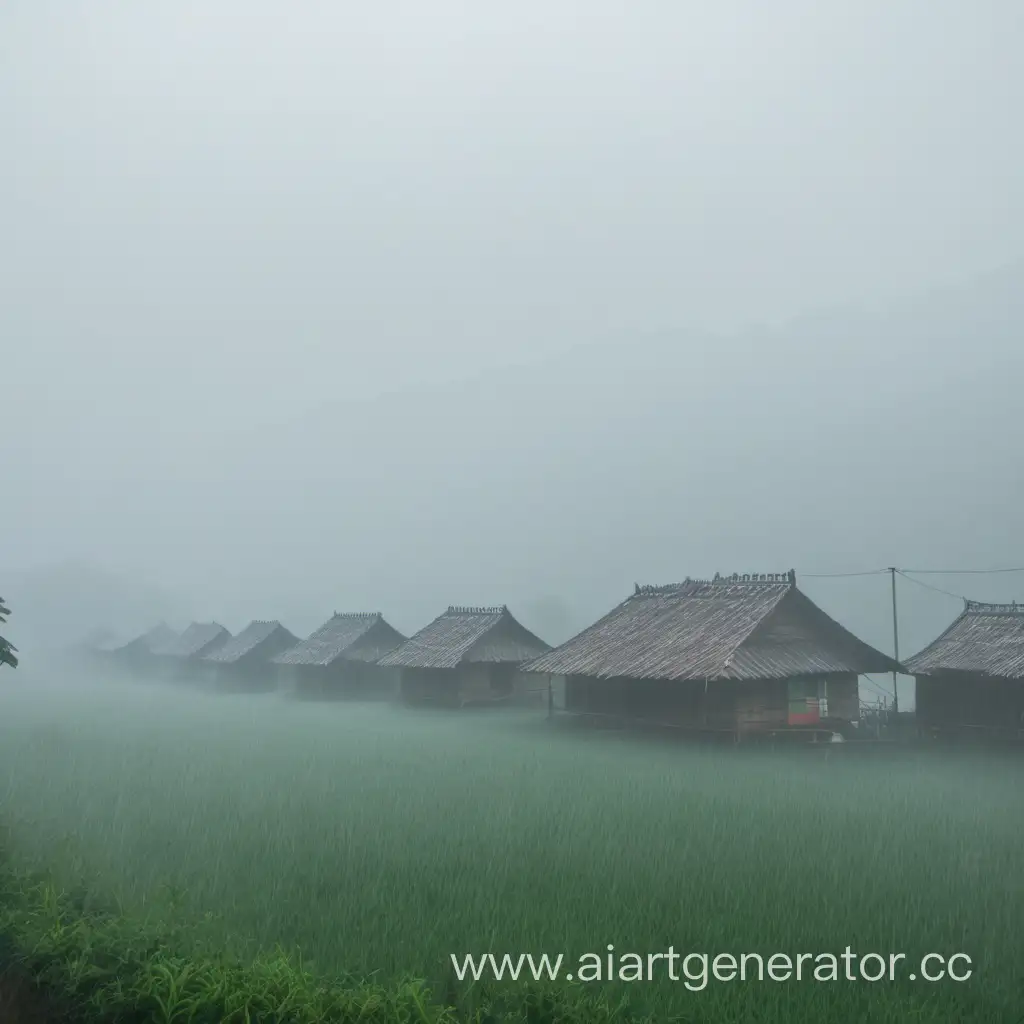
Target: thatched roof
x=268, y=635
x=352, y=636
x=985, y=639
x=200, y=638
x=734, y=627
x=463, y=634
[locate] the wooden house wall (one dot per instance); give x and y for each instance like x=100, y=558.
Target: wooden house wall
x=681, y=703
x=343, y=679
x=961, y=700
x=470, y=683
x=359, y=680
x=478, y=682
x=736, y=705
x=762, y=705
x=429, y=686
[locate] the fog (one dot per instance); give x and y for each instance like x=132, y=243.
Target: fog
x=310, y=308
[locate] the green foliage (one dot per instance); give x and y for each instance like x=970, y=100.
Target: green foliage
x=209, y=841
x=7, y=649
x=103, y=968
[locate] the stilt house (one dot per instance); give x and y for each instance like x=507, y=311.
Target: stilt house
x=736, y=654
x=243, y=663
x=466, y=656
x=970, y=679
x=341, y=659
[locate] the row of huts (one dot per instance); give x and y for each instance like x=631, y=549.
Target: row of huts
x=734, y=654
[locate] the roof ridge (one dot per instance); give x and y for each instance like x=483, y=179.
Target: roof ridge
x=765, y=577
x=466, y=609
x=357, y=615
x=997, y=608
x=746, y=579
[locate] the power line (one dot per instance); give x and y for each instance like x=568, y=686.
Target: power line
x=880, y=689
x=959, y=572
x=837, y=575
x=928, y=586
x=919, y=572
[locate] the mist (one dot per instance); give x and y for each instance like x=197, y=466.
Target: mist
x=325, y=308
x=397, y=308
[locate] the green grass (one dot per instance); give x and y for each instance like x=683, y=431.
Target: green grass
x=375, y=842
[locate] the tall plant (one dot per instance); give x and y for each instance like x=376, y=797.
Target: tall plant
x=7, y=649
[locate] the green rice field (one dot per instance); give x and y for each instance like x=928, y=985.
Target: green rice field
x=374, y=842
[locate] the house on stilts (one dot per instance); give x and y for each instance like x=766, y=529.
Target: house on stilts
x=466, y=656
x=341, y=659
x=970, y=679
x=735, y=655
x=244, y=663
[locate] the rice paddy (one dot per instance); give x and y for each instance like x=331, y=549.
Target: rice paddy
x=375, y=842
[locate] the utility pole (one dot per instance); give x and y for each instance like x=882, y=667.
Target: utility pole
x=895, y=642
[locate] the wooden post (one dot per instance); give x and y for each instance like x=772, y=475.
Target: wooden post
x=895, y=644
x=551, y=699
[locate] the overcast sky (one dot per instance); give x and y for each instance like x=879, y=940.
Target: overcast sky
x=220, y=216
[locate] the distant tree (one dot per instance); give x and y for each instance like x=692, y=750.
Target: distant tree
x=7, y=649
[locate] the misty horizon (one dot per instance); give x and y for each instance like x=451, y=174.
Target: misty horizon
x=481, y=307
